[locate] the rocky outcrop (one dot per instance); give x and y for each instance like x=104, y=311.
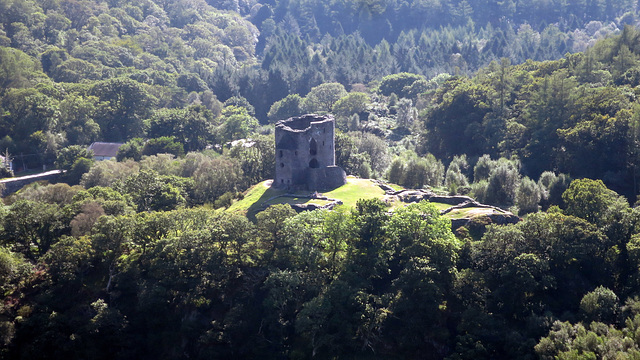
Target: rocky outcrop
x=307, y=206
x=311, y=207
x=471, y=204
x=496, y=215
x=411, y=196
x=493, y=218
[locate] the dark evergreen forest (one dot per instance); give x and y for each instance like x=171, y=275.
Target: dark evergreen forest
x=530, y=105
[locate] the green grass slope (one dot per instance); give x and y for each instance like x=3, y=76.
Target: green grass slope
x=262, y=195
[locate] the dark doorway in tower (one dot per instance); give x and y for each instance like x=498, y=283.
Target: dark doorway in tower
x=314, y=164
x=313, y=147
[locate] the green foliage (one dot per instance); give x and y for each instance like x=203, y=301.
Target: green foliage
x=237, y=123
x=528, y=196
x=322, y=98
x=339, y=277
x=175, y=280
x=406, y=115
x=127, y=104
x=31, y=228
x=557, y=189
x=17, y=69
x=376, y=149
x=108, y=173
x=483, y=168
x=163, y=145
x=270, y=225
x=455, y=124
x=396, y=170
x=503, y=183
x=225, y=200
x=132, y=149
x=588, y=199
x=60, y=194
x=78, y=169
x=75, y=160
x=346, y=152
x=30, y=117
x=97, y=201
x=352, y=103
x=240, y=102
x=13, y=269
x=283, y=109
x=598, y=340
x=417, y=172
x=192, y=127
x=600, y=305
x=399, y=84
x=152, y=192
x=77, y=114
x=215, y=176
x=69, y=260
x=455, y=177
x=257, y=161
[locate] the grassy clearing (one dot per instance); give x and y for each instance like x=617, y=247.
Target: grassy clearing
x=441, y=206
x=354, y=190
x=439, y=190
x=254, y=198
x=262, y=195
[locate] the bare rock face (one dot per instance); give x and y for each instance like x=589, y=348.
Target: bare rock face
x=411, y=196
x=493, y=218
x=305, y=154
x=492, y=214
x=310, y=207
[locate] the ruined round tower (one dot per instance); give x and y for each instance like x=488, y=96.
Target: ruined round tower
x=305, y=154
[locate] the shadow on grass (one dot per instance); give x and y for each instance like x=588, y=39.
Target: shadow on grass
x=259, y=204
x=273, y=196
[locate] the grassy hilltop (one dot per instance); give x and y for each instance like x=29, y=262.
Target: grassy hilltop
x=262, y=195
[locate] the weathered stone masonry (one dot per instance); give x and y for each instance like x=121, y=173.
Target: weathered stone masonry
x=305, y=154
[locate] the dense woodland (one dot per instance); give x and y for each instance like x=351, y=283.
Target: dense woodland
x=528, y=105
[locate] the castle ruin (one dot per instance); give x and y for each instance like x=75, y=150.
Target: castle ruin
x=305, y=154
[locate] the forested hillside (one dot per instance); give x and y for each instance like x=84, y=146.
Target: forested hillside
x=527, y=105
x=177, y=53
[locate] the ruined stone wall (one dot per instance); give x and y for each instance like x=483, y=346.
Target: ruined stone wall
x=304, y=146
x=329, y=177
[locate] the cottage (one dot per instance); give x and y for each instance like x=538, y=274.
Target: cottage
x=104, y=150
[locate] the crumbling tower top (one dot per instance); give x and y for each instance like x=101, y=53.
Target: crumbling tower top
x=305, y=154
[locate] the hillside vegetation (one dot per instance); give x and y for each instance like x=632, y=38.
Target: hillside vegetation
x=260, y=196
x=168, y=251
x=78, y=71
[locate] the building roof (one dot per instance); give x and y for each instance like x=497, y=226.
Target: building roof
x=105, y=149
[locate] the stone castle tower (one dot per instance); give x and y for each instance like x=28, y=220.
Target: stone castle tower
x=305, y=154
